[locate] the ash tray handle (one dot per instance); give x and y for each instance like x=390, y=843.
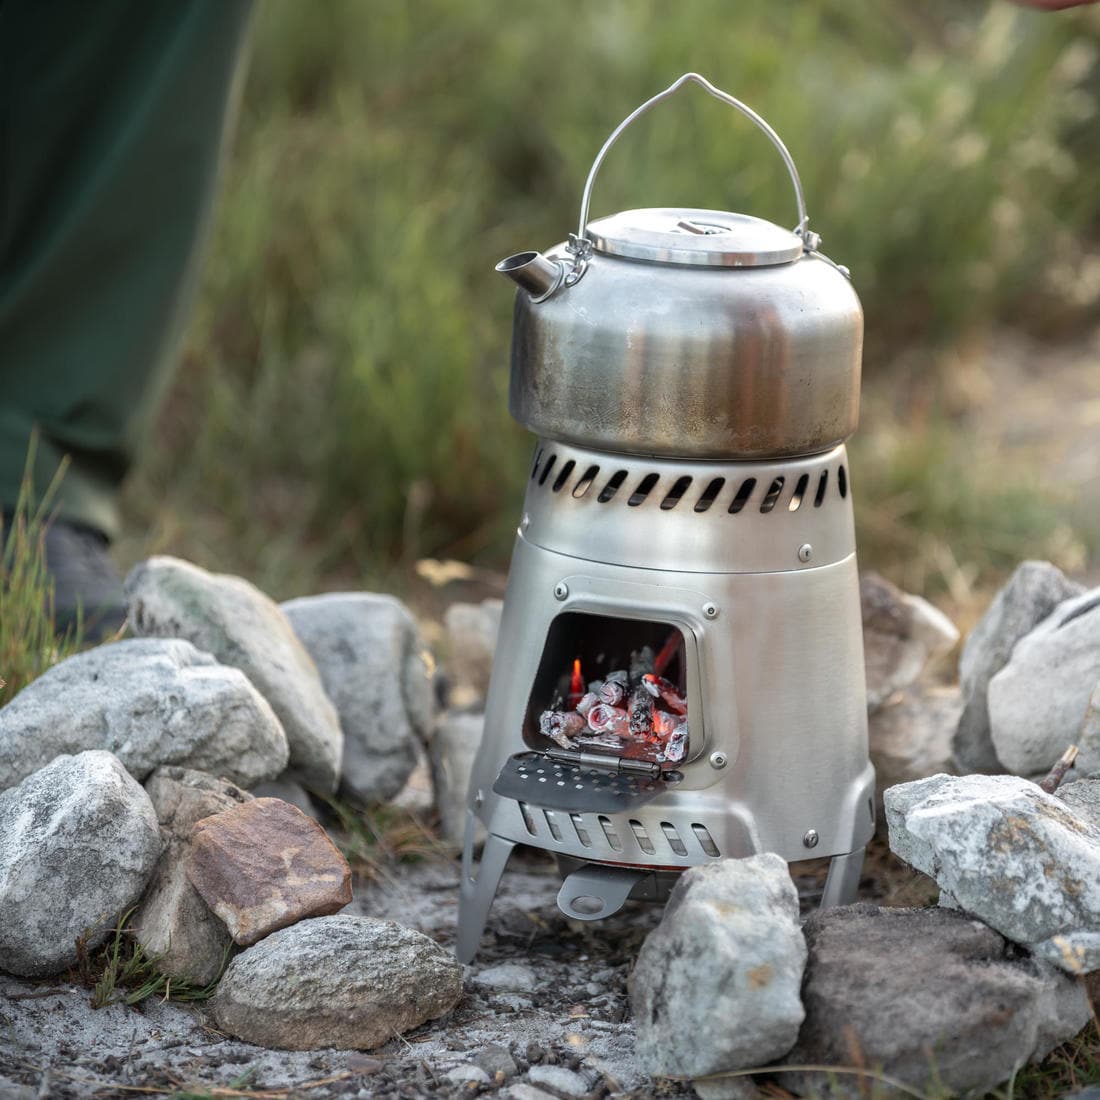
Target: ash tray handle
x=593, y=892
x=581, y=246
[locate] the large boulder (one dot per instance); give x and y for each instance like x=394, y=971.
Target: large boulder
x=263, y=865
x=1033, y=591
x=1038, y=701
x=1004, y=850
x=78, y=842
x=238, y=624
x=901, y=635
x=716, y=985
x=150, y=701
x=341, y=981
x=173, y=923
x=930, y=997
x=374, y=667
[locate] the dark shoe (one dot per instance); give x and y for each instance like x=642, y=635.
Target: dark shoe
x=87, y=586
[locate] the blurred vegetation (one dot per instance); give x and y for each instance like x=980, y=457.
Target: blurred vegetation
x=342, y=407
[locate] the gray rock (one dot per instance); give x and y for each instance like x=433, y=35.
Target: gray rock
x=340, y=981
x=467, y=1074
x=495, y=1060
x=149, y=701
x=238, y=624
x=452, y=753
x=727, y=1088
x=1033, y=591
x=1083, y=798
x=1006, y=851
x=78, y=842
x=417, y=796
x=523, y=1091
x=372, y=662
x=901, y=634
x=1076, y=952
x=716, y=985
x=1088, y=740
x=910, y=735
x=1038, y=701
x=472, y=630
x=507, y=977
x=931, y=996
x=173, y=922
x=558, y=1078
x=289, y=790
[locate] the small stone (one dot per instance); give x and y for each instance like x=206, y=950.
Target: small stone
x=716, y=985
x=173, y=923
x=150, y=701
x=1006, y=851
x=1038, y=701
x=901, y=634
x=888, y=987
x=377, y=671
x=565, y=1081
x=523, y=1091
x=1033, y=591
x=910, y=735
x=340, y=981
x=417, y=796
x=264, y=865
x=726, y=1088
x=496, y=1059
x=78, y=843
x=467, y=1074
x=241, y=627
x=453, y=751
x=1076, y=952
x=472, y=630
x=508, y=978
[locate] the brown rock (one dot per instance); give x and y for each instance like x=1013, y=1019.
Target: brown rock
x=173, y=922
x=266, y=865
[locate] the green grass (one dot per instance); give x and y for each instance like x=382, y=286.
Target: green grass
x=342, y=407
x=123, y=972
x=29, y=642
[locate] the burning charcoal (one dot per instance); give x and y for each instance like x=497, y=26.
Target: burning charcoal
x=675, y=748
x=614, y=689
x=663, y=689
x=641, y=713
x=576, y=684
x=561, y=726
x=587, y=702
x=641, y=662
x=605, y=719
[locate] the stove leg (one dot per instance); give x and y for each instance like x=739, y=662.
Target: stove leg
x=476, y=894
x=842, y=882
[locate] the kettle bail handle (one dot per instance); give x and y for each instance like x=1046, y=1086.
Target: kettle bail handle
x=581, y=246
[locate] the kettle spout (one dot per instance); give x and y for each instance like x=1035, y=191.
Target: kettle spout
x=533, y=272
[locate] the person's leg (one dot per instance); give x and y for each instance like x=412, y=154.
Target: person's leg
x=112, y=120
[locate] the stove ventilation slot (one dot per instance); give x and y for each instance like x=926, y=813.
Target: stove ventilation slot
x=581, y=831
x=569, y=478
x=528, y=820
x=706, y=841
x=673, y=838
x=642, y=837
x=610, y=833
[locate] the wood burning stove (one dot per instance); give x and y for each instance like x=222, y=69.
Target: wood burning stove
x=679, y=674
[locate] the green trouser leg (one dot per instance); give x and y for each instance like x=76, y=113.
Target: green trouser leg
x=113, y=116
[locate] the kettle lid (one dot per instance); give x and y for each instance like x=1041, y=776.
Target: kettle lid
x=702, y=238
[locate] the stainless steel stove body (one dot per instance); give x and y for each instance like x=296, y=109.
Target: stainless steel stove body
x=691, y=376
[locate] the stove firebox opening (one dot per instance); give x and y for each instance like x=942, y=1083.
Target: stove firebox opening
x=611, y=686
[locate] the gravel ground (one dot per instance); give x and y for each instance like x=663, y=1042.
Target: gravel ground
x=543, y=992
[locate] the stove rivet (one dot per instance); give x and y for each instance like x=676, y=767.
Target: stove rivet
x=718, y=759
x=561, y=590
x=805, y=552
x=710, y=610
x=479, y=798
x=811, y=838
